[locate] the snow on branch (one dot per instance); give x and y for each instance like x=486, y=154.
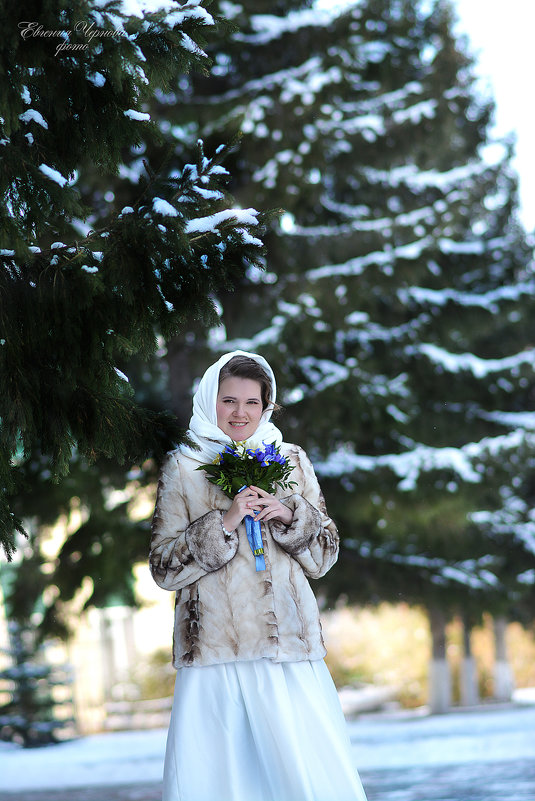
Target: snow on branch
x=136, y=115
x=162, y=207
x=54, y=175
x=416, y=179
x=457, y=362
x=33, y=116
x=469, y=572
x=425, y=108
x=487, y=300
x=268, y=27
x=407, y=466
x=211, y=223
x=323, y=373
x=175, y=16
x=422, y=459
x=413, y=250
x=302, y=73
x=515, y=519
x=525, y=420
x=267, y=336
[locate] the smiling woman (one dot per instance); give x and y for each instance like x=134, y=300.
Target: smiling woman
x=254, y=699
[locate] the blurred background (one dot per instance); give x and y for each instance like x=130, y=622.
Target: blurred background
x=387, y=140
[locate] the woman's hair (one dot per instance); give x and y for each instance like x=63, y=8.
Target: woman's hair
x=245, y=367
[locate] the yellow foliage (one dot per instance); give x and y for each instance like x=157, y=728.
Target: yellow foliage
x=391, y=645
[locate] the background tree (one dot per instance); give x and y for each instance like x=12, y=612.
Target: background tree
x=399, y=284
x=104, y=534
x=75, y=304
x=40, y=702
x=397, y=294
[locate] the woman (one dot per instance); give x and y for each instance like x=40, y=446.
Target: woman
x=255, y=715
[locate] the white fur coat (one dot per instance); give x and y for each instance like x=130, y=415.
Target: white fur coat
x=226, y=611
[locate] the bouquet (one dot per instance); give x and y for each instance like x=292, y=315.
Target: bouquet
x=237, y=467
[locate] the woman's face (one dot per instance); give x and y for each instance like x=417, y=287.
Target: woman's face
x=239, y=407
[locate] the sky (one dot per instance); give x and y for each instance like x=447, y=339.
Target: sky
x=501, y=38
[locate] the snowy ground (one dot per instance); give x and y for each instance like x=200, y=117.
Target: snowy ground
x=477, y=755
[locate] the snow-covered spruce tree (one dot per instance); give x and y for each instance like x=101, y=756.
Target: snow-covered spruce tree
x=40, y=697
x=75, y=84
x=506, y=520
x=399, y=282
x=220, y=112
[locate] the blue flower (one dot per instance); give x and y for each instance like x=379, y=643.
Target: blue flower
x=237, y=465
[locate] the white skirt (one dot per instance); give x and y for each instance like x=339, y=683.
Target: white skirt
x=258, y=731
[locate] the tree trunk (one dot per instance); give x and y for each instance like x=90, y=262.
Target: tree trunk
x=179, y=361
x=107, y=654
x=130, y=640
x=439, y=671
x=503, y=675
x=468, y=677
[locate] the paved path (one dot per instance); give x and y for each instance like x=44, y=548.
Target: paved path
x=484, y=755
x=504, y=781
x=132, y=792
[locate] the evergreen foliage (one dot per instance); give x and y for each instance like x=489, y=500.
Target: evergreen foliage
x=77, y=301
x=102, y=541
x=395, y=304
x=34, y=714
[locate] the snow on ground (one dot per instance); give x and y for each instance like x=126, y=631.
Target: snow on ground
x=380, y=741
x=102, y=759
x=457, y=738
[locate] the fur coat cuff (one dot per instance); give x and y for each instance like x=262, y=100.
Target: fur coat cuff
x=305, y=526
x=209, y=545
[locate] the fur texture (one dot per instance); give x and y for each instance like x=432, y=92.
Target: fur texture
x=210, y=546
x=226, y=611
x=304, y=528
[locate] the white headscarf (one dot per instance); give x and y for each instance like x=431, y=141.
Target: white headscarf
x=203, y=428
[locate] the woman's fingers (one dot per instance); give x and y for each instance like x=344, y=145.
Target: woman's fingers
x=262, y=493
x=247, y=493
x=260, y=502
x=245, y=496
x=263, y=499
x=269, y=507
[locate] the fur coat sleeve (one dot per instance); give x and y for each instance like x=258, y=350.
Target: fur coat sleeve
x=184, y=550
x=312, y=537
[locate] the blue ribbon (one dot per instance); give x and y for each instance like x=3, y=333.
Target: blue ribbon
x=254, y=535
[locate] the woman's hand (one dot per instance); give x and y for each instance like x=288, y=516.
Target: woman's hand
x=272, y=508
x=241, y=505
